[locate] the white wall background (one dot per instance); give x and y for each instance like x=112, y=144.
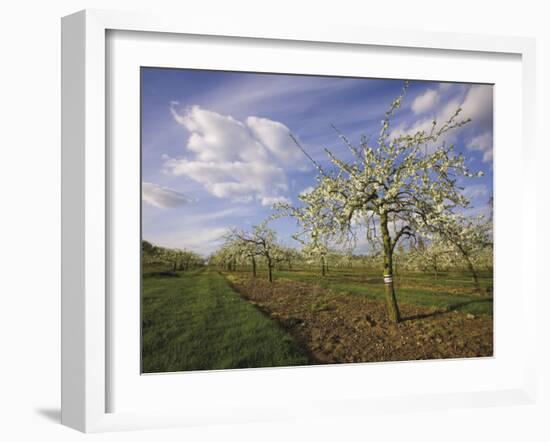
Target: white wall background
x=30, y=216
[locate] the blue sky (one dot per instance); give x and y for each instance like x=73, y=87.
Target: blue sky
x=216, y=150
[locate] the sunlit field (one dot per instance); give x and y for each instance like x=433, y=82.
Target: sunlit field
x=207, y=319
x=195, y=321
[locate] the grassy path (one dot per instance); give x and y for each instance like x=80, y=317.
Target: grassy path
x=195, y=321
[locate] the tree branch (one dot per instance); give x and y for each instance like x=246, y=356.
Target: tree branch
x=405, y=230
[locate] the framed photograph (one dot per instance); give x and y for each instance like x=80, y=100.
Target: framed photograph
x=270, y=223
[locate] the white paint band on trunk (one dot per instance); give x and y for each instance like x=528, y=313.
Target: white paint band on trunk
x=388, y=279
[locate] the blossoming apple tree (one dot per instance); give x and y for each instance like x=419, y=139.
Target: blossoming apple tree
x=260, y=241
x=400, y=185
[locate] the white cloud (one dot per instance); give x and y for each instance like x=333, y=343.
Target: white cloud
x=276, y=137
x=425, y=124
x=425, y=102
x=162, y=197
x=219, y=138
x=238, y=180
x=235, y=160
x=477, y=104
x=483, y=143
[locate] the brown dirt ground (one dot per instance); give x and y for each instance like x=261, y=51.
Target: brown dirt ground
x=335, y=329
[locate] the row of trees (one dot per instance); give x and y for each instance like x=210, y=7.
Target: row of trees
x=173, y=259
x=250, y=249
x=467, y=242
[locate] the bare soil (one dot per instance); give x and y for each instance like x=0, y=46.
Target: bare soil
x=336, y=328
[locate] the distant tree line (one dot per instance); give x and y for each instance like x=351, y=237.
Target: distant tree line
x=470, y=250
x=172, y=260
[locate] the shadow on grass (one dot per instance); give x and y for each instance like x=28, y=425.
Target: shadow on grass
x=449, y=309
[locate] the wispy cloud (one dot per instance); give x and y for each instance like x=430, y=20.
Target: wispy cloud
x=483, y=143
x=425, y=102
x=162, y=197
x=201, y=229
x=273, y=93
x=474, y=191
x=202, y=240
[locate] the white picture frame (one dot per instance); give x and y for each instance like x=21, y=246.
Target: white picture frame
x=86, y=317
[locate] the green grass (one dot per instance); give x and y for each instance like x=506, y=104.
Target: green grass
x=453, y=291
x=195, y=321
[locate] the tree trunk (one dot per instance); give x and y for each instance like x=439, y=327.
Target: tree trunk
x=391, y=301
x=269, y=269
x=471, y=268
x=175, y=267
x=473, y=272
x=253, y=267
x=323, y=265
